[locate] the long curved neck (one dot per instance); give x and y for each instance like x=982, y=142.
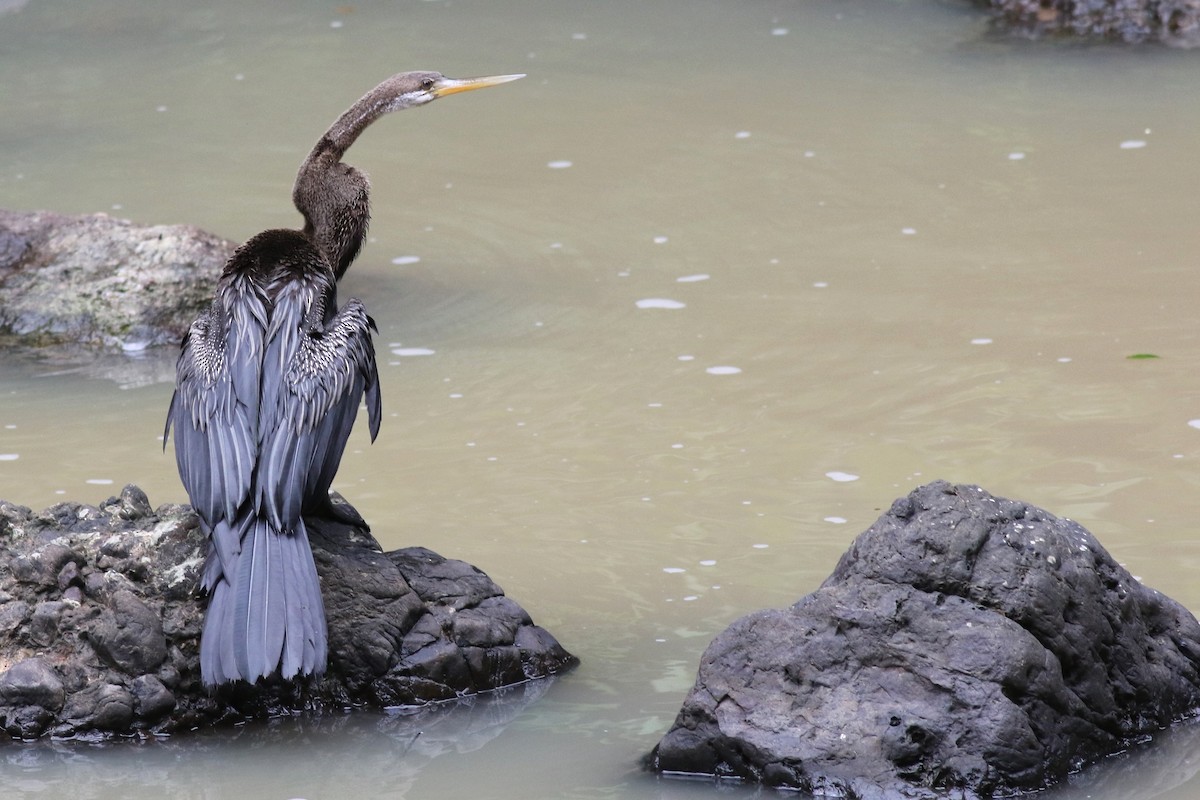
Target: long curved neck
x=334, y=197
x=353, y=121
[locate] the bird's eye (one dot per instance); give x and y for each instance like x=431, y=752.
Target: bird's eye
x=427, y=84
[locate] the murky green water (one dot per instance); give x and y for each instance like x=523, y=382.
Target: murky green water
x=924, y=254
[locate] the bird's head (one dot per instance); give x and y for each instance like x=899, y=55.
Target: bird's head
x=333, y=196
x=409, y=89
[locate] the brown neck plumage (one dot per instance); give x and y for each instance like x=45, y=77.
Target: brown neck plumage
x=333, y=196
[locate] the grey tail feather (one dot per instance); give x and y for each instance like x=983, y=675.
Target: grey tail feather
x=265, y=614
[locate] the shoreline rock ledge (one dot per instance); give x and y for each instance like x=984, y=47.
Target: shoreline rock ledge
x=965, y=646
x=96, y=280
x=100, y=623
x=1171, y=22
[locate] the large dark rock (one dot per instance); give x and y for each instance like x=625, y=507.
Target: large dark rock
x=100, y=623
x=96, y=280
x=1173, y=22
x=964, y=642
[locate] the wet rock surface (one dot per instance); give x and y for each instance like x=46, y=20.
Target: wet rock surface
x=965, y=643
x=95, y=280
x=1172, y=22
x=100, y=621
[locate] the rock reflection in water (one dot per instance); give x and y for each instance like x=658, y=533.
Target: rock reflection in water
x=131, y=369
x=1163, y=768
x=360, y=753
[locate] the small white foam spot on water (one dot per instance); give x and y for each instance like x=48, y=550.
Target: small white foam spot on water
x=660, y=302
x=402, y=260
x=562, y=164
x=412, y=351
x=742, y=135
x=1016, y=156
x=1194, y=423
x=708, y=562
x=692, y=278
x=99, y=481
x=9, y=456
x=841, y=477
x=909, y=231
x=723, y=370
x=1133, y=144
x=673, y=570
x=981, y=341
x=660, y=240
x=836, y=520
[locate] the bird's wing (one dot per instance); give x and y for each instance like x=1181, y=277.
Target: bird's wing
x=348, y=337
x=215, y=407
x=315, y=373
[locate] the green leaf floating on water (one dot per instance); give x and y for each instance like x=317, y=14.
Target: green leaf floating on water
x=1140, y=356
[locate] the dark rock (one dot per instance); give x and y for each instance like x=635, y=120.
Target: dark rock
x=12, y=614
x=1172, y=22
x=108, y=596
x=363, y=588
x=43, y=566
x=98, y=707
x=964, y=642
x=31, y=682
x=153, y=699
x=128, y=635
x=96, y=280
x=68, y=575
x=43, y=625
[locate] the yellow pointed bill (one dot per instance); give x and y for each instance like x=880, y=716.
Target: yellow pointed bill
x=447, y=86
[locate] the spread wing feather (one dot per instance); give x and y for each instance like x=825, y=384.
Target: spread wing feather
x=329, y=365
x=359, y=371
x=215, y=411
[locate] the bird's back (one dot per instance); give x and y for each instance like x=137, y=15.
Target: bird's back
x=268, y=384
